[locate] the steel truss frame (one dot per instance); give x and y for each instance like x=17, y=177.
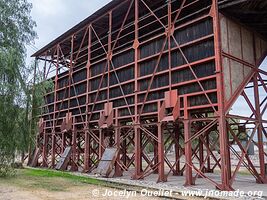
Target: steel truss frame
x=190, y=133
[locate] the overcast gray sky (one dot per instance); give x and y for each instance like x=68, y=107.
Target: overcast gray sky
x=54, y=17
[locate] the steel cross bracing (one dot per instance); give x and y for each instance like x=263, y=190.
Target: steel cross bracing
x=193, y=131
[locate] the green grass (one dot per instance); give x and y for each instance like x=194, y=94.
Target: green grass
x=66, y=175
x=49, y=180
x=58, y=181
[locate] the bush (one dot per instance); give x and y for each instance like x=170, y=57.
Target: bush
x=17, y=165
x=6, y=168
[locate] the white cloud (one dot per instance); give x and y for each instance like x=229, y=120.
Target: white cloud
x=48, y=7
x=54, y=17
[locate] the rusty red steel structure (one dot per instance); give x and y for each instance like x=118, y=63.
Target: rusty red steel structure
x=160, y=74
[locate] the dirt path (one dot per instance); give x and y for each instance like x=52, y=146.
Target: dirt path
x=8, y=192
x=30, y=184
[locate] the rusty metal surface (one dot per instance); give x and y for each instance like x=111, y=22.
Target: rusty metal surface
x=156, y=73
x=171, y=98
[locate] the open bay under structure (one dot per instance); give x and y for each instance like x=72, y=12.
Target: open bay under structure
x=150, y=77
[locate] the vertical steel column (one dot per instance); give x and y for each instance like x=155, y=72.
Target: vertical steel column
x=53, y=151
x=118, y=171
x=136, y=57
x=87, y=151
x=124, y=152
x=74, y=134
x=224, y=141
x=188, y=146
x=101, y=143
x=156, y=160
x=55, y=109
x=201, y=153
x=177, y=133
x=78, y=145
x=63, y=144
x=44, y=69
x=137, y=133
x=169, y=32
x=109, y=56
x=44, y=153
x=74, y=166
x=70, y=72
x=162, y=177
x=259, y=130
x=137, y=152
x=87, y=147
x=208, y=169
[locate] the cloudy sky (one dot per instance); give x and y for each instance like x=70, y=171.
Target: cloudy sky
x=54, y=17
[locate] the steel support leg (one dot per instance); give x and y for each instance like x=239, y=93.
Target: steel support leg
x=124, y=152
x=74, y=158
x=53, y=151
x=101, y=142
x=44, y=164
x=118, y=170
x=224, y=140
x=177, y=169
x=208, y=169
x=201, y=155
x=63, y=144
x=259, y=131
x=188, y=145
x=138, y=153
x=155, y=143
x=225, y=155
x=162, y=177
x=188, y=154
x=87, y=152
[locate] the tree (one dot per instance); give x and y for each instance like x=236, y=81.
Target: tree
x=16, y=31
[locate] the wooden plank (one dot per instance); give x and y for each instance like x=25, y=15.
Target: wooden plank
x=107, y=162
x=64, y=159
x=36, y=155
